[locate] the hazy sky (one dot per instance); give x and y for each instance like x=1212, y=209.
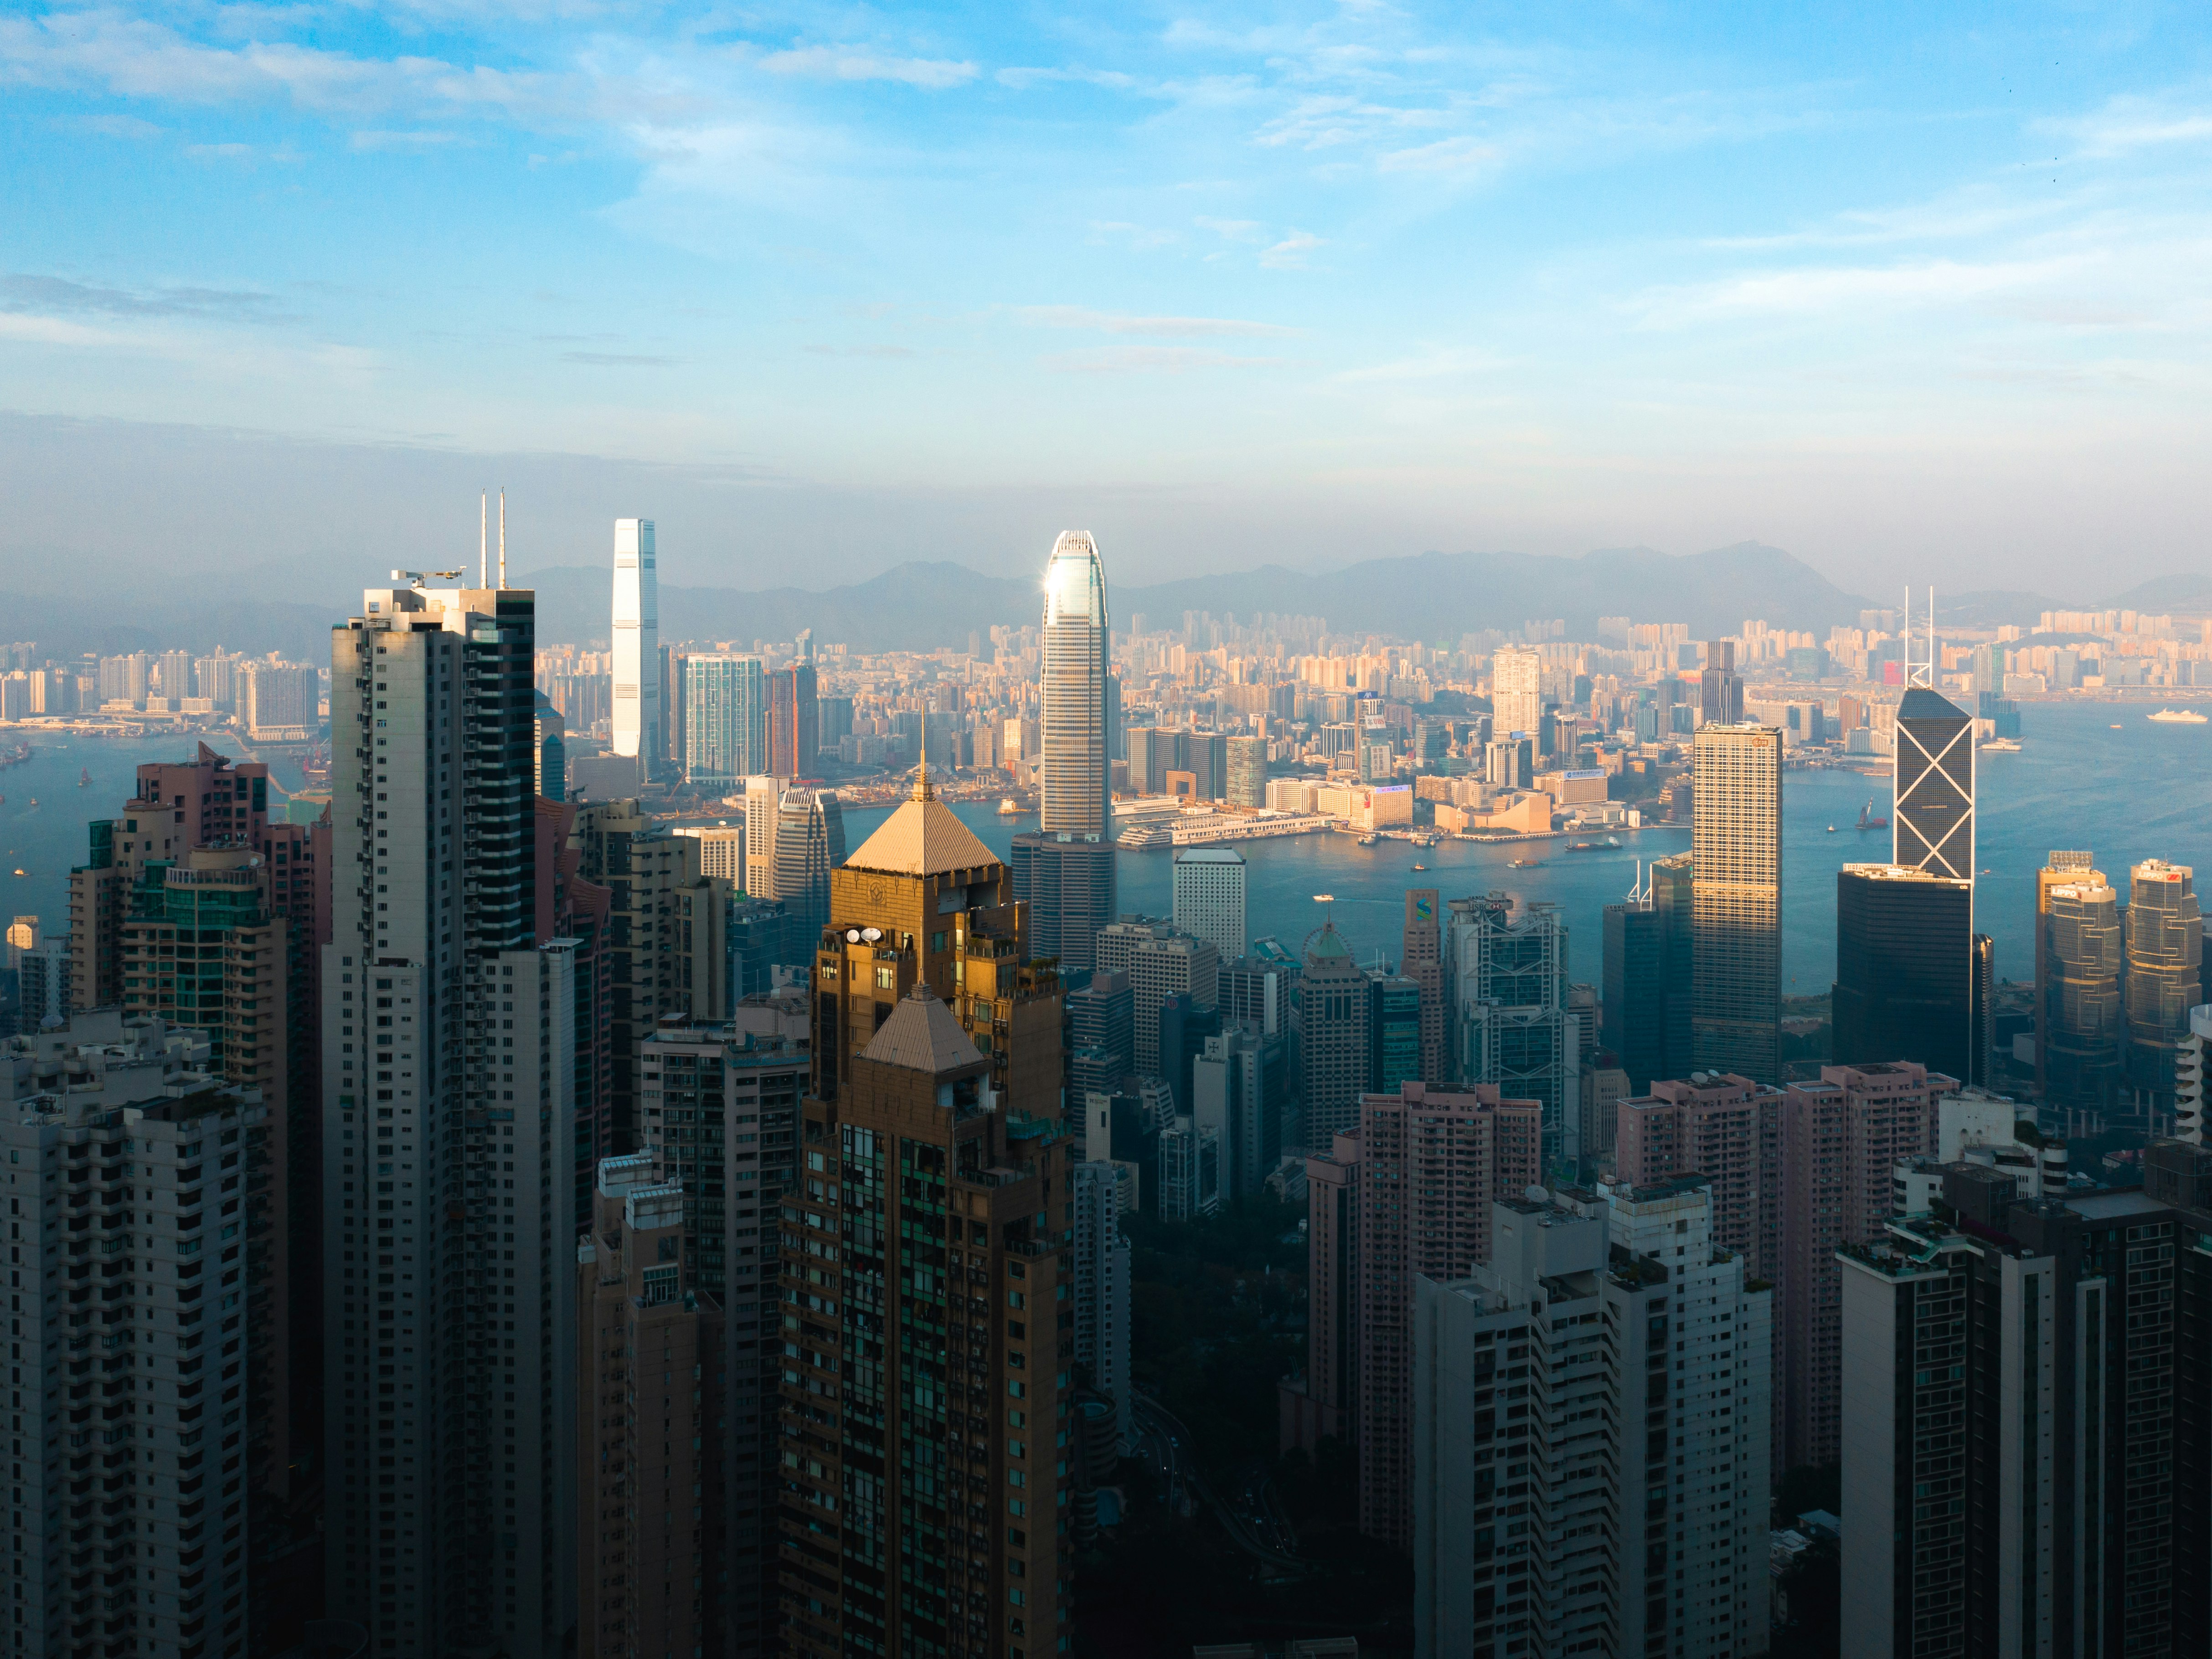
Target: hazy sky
x=1908, y=289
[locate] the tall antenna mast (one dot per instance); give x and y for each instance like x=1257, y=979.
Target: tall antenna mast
x=484, y=535
x=502, y=538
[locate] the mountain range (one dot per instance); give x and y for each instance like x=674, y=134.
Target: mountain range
x=920, y=605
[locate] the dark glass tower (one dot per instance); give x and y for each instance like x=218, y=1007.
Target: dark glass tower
x=1907, y=974
x=1644, y=1014
x=1933, y=821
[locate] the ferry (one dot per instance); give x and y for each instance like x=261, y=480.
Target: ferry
x=1010, y=808
x=2178, y=717
x=2001, y=746
x=1369, y=839
x=1420, y=867
x=1831, y=829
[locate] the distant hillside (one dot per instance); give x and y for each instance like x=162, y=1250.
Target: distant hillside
x=2190, y=594
x=1438, y=596
x=198, y=617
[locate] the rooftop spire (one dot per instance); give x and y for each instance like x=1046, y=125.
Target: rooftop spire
x=921, y=789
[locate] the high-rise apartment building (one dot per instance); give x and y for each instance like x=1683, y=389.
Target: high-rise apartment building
x=1209, y=897
x=763, y=798
x=1065, y=871
x=147, y=1349
x=1101, y=1036
x=1239, y=1090
x=636, y=726
x=1512, y=1024
x=794, y=722
x=1588, y=1473
x=721, y=850
x=280, y=702
x=1516, y=689
x=1725, y=1128
x=925, y=1379
x=649, y=1390
x=449, y=1053
x=1842, y=1139
x=1421, y=959
x=1248, y=773
x=1909, y=982
x=1429, y=1164
x=1335, y=1038
x=923, y=902
x=1736, y=849
x=810, y=843
x=1098, y=1272
x=720, y=1120
x=667, y=942
x=2165, y=978
x=2080, y=951
x=2025, y=1469
x=1644, y=1011
x=1161, y=962
x=726, y=719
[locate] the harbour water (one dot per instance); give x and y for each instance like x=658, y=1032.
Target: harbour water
x=2143, y=791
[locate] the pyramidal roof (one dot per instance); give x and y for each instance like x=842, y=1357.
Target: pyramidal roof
x=922, y=1036
x=922, y=838
x=1329, y=949
x=1919, y=702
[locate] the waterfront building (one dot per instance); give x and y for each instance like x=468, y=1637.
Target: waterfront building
x=1617, y=1504
x=1067, y=883
x=2041, y=1491
x=2164, y=936
x=2080, y=952
x=1248, y=772
x=635, y=727
x=725, y=720
x=924, y=1380
x=1735, y=1012
x=1209, y=897
x=1428, y=1164
x=649, y=1517
x=1513, y=1026
x=434, y=929
x=1909, y=981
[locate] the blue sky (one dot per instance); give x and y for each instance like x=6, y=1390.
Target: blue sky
x=1908, y=289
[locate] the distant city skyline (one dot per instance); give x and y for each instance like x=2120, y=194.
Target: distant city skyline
x=1885, y=295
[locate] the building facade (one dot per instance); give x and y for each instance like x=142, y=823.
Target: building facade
x=1735, y=1012
x=635, y=727
x=1512, y=1024
x=1209, y=897
x=1909, y=982
x=726, y=719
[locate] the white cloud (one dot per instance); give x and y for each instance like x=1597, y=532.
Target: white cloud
x=1464, y=157
x=2134, y=122
x=1290, y=254
x=1110, y=322
x=859, y=63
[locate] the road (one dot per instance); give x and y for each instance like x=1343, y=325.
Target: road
x=1253, y=1522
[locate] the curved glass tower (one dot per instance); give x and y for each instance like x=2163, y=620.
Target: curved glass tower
x=1065, y=869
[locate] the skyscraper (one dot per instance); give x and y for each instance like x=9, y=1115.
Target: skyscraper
x=2080, y=1022
x=1248, y=772
x=434, y=1542
x=923, y=1512
x=636, y=726
x=810, y=843
x=1098, y=1265
x=1932, y=822
x=1209, y=897
x=1335, y=1020
x=1512, y=1026
x=1065, y=871
x=2165, y=957
x=1421, y=959
x=1645, y=1009
x=1735, y=848
x=1516, y=689
x=794, y=722
x=1720, y=690
x=725, y=721
x=1907, y=979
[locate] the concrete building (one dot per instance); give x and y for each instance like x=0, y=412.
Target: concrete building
x=1248, y=772
x=648, y=1346
x=2022, y=1469
x=635, y=727
x=763, y=796
x=721, y=850
x=1209, y=897
x=1511, y=1023
x=280, y=701
x=1101, y=1036
x=1240, y=1090
x=1583, y=1476
x=1161, y=962
x=725, y=719
x=2080, y=951
x=449, y=1052
x=1726, y=1129
x=1842, y=1139
x=1735, y=1013
x=1720, y=688
x=1429, y=1164
x=1335, y=1049
x=144, y=1402
x=794, y=721
x=720, y=1116
x=922, y=1509
x=1098, y=1269
x=1516, y=689
x=1421, y=959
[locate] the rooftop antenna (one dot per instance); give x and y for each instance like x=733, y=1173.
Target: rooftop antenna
x=502, y=538
x=483, y=534
x=1640, y=892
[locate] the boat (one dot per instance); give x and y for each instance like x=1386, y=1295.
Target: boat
x=20, y=870
x=83, y=777
x=1831, y=829
x=2001, y=746
x=2117, y=726
x=1369, y=839
x=1008, y=808
x=2178, y=717
x=1867, y=821
x=1420, y=867
x=1525, y=864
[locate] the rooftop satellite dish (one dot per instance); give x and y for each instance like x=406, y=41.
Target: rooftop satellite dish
x=871, y=934
x=852, y=936
x=1538, y=1196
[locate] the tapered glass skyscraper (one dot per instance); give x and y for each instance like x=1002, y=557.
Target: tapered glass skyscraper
x=637, y=714
x=1066, y=869
x=1735, y=1010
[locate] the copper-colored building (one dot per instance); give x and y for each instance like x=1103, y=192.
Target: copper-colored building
x=649, y=1375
